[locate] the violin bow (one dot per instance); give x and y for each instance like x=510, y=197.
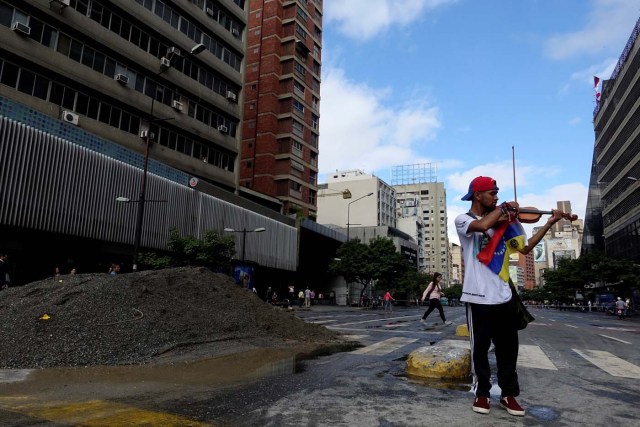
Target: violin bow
x=513, y=164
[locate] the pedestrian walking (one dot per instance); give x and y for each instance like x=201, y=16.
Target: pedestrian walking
x=488, y=233
x=621, y=308
x=4, y=271
x=386, y=301
x=433, y=293
x=307, y=297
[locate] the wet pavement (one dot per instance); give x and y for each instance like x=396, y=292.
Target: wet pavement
x=296, y=387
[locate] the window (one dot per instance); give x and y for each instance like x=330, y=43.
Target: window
x=300, y=31
x=297, y=149
x=314, y=121
x=299, y=68
x=298, y=107
x=298, y=128
x=298, y=88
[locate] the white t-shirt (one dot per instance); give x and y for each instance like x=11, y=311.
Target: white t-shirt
x=481, y=285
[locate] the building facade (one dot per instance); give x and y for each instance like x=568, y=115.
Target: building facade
x=372, y=202
x=613, y=208
x=168, y=73
x=93, y=92
x=417, y=185
x=282, y=103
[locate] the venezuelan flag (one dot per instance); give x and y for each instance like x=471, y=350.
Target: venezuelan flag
x=507, y=239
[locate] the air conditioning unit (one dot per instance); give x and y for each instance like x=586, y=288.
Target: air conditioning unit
x=209, y=11
x=232, y=96
x=122, y=79
x=223, y=128
x=173, y=51
x=235, y=32
x=70, y=117
x=147, y=134
x=21, y=28
x=177, y=105
x=165, y=62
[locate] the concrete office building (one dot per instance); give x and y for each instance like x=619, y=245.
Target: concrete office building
x=85, y=88
x=282, y=104
x=612, y=221
x=372, y=201
x=127, y=70
x=417, y=184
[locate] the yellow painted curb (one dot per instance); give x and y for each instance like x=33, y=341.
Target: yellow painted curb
x=448, y=359
x=462, y=331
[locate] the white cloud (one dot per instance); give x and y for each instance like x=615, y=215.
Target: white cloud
x=608, y=26
x=357, y=130
x=380, y=15
x=603, y=70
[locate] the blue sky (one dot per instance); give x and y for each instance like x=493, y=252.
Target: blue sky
x=459, y=82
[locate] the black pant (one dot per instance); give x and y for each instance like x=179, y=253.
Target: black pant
x=434, y=303
x=493, y=323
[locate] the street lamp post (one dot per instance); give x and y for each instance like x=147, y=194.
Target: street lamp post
x=147, y=140
x=349, y=211
x=244, y=232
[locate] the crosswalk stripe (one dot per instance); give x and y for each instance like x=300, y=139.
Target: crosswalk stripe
x=615, y=339
x=355, y=337
x=384, y=347
x=320, y=322
x=532, y=356
x=610, y=363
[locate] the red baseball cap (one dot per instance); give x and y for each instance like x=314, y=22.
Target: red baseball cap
x=480, y=183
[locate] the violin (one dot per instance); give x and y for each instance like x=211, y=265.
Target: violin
x=530, y=215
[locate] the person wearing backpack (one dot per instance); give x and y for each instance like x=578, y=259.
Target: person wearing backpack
x=433, y=294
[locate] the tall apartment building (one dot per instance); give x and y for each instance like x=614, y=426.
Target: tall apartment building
x=418, y=184
x=372, y=201
x=279, y=155
x=613, y=207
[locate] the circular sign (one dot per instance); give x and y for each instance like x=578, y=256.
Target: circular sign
x=193, y=182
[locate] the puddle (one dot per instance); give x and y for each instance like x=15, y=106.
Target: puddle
x=542, y=413
x=230, y=369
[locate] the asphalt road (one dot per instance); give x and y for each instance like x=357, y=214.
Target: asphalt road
x=575, y=369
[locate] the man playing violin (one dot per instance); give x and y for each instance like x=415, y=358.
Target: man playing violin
x=490, y=315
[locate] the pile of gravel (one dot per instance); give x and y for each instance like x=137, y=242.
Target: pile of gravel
x=96, y=319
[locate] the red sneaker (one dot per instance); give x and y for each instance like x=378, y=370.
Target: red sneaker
x=511, y=405
x=481, y=405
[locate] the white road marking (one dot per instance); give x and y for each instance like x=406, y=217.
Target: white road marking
x=381, y=319
x=615, y=339
x=532, y=356
x=338, y=328
x=320, y=322
x=384, y=347
x=355, y=337
x=571, y=326
x=611, y=364
x=540, y=324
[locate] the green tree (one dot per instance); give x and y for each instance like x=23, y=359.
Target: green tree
x=570, y=276
x=454, y=291
x=213, y=250
x=377, y=263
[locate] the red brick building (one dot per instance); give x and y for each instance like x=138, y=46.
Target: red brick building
x=279, y=153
